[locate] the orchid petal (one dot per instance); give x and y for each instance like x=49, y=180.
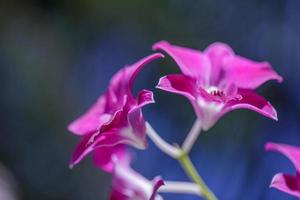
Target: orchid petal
x=81, y=150
x=116, y=195
x=116, y=121
x=217, y=53
x=145, y=97
x=248, y=74
x=252, y=101
x=103, y=157
x=103, y=140
x=137, y=131
x=291, y=152
x=89, y=144
x=91, y=120
x=287, y=183
x=135, y=116
x=115, y=98
x=192, y=63
x=178, y=84
x=127, y=184
x=157, y=183
x=118, y=85
x=136, y=68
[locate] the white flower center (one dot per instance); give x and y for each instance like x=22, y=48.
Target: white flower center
x=211, y=89
x=209, y=111
x=215, y=91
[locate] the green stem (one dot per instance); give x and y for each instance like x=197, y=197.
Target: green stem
x=191, y=171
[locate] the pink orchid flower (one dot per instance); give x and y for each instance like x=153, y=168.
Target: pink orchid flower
x=217, y=81
x=285, y=182
x=116, y=117
x=127, y=184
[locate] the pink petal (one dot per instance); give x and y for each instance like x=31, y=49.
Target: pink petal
x=100, y=140
x=291, y=152
x=122, y=82
x=248, y=74
x=191, y=62
x=287, y=183
x=127, y=184
x=91, y=120
x=157, y=183
x=137, y=122
x=217, y=52
x=81, y=150
x=115, y=98
x=178, y=84
x=135, y=69
x=121, y=136
x=252, y=101
x=145, y=97
x=136, y=119
x=117, y=121
x=116, y=195
x=103, y=157
x=118, y=85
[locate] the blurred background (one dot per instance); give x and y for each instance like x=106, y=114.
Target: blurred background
x=57, y=56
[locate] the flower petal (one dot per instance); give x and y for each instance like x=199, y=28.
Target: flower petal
x=116, y=195
x=178, y=84
x=252, y=101
x=217, y=52
x=191, y=62
x=116, y=121
x=248, y=74
x=128, y=184
x=103, y=157
x=96, y=141
x=135, y=69
x=291, y=152
x=81, y=150
x=122, y=82
x=137, y=131
x=91, y=120
x=137, y=122
x=157, y=183
x=145, y=97
x=287, y=183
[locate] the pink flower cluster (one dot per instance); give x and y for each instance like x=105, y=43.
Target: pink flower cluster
x=215, y=81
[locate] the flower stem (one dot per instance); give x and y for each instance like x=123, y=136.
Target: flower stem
x=165, y=147
x=180, y=187
x=182, y=156
x=190, y=170
x=192, y=136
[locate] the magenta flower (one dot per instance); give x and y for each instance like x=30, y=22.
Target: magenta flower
x=285, y=182
x=217, y=81
x=116, y=117
x=127, y=184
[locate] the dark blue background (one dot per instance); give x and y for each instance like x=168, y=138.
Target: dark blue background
x=57, y=56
